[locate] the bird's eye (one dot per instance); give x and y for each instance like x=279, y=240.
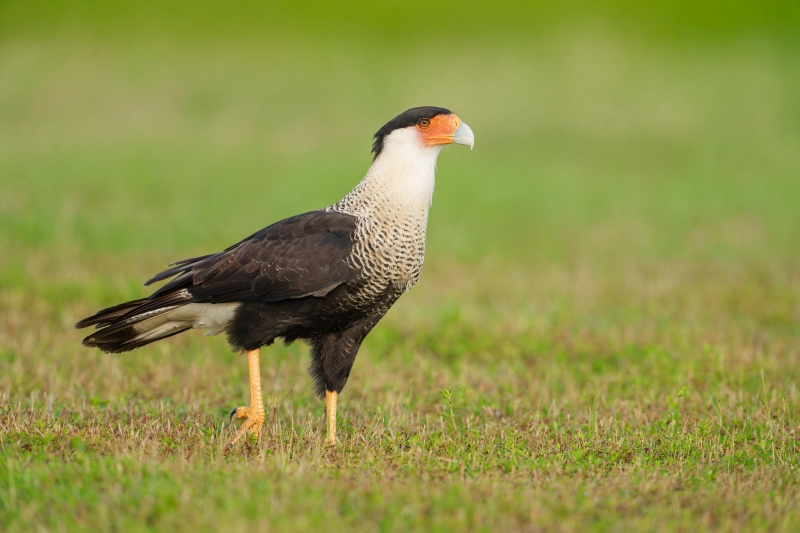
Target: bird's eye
x=424, y=123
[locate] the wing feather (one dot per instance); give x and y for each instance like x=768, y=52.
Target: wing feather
x=305, y=255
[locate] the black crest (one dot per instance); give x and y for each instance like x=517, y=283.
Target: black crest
x=404, y=120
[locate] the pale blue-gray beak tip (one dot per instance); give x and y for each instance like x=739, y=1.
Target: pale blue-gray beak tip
x=463, y=135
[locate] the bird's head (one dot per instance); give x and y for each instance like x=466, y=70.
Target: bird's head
x=426, y=128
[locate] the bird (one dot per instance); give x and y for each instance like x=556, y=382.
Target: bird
x=326, y=277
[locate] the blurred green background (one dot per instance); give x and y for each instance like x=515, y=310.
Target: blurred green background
x=612, y=128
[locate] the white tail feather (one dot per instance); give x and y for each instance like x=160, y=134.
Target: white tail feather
x=213, y=317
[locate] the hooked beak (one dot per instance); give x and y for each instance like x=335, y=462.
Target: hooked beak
x=463, y=135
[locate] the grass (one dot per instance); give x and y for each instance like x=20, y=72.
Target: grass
x=606, y=336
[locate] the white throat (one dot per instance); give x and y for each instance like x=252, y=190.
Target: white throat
x=406, y=167
x=401, y=178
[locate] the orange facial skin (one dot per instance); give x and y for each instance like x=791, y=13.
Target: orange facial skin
x=440, y=130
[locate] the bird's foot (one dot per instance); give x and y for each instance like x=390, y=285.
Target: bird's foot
x=254, y=421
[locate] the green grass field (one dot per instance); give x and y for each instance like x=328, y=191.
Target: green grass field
x=606, y=336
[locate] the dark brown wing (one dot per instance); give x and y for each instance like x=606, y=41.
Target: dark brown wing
x=305, y=255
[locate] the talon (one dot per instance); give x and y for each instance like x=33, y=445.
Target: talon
x=240, y=412
x=252, y=425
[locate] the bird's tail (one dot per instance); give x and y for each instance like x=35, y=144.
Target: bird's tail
x=129, y=325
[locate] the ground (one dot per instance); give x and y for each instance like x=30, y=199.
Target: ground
x=606, y=336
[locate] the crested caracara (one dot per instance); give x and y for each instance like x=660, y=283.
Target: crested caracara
x=326, y=276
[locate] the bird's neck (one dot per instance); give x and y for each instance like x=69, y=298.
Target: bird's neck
x=401, y=180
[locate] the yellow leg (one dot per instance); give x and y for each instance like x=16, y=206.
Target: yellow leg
x=254, y=414
x=330, y=410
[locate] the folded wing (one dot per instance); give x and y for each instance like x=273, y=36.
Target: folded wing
x=305, y=255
